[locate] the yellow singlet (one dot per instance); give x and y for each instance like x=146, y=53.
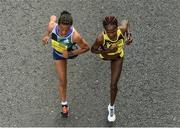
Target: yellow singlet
x=120, y=41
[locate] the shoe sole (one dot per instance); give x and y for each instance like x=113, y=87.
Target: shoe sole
x=64, y=115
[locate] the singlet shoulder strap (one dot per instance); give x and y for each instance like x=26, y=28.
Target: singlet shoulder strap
x=119, y=32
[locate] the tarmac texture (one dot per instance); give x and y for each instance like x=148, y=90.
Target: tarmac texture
x=149, y=87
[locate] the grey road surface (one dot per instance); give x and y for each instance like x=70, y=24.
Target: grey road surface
x=149, y=87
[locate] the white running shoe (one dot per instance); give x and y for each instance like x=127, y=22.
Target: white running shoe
x=111, y=113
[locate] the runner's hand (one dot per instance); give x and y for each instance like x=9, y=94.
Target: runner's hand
x=45, y=40
x=65, y=54
x=129, y=39
x=111, y=49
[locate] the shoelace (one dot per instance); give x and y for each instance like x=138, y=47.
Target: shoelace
x=111, y=112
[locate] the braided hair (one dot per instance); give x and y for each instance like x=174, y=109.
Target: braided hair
x=110, y=20
x=65, y=18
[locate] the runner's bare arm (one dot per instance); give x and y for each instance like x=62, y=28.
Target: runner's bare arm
x=124, y=27
x=96, y=48
x=81, y=42
x=50, y=26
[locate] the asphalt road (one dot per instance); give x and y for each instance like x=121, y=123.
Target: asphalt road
x=149, y=87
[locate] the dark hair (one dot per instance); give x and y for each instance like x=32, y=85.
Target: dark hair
x=65, y=18
x=110, y=20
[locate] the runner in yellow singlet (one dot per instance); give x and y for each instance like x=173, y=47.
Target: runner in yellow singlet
x=109, y=45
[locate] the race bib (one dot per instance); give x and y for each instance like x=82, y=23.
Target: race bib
x=58, y=46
